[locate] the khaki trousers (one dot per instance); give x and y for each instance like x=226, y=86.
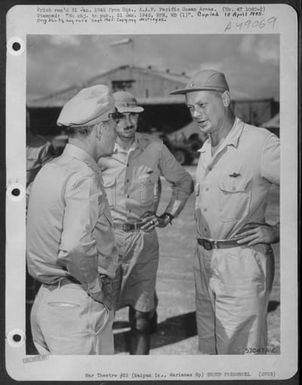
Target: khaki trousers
x=232, y=291
x=135, y=281
x=65, y=320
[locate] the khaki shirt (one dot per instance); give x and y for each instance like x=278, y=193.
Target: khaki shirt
x=233, y=185
x=69, y=226
x=131, y=177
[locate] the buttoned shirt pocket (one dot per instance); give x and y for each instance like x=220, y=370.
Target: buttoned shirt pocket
x=234, y=196
x=146, y=189
x=110, y=188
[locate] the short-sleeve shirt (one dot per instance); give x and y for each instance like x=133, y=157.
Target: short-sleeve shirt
x=130, y=179
x=233, y=185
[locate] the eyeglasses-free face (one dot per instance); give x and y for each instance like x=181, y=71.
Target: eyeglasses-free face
x=127, y=126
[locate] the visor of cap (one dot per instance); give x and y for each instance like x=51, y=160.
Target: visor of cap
x=134, y=109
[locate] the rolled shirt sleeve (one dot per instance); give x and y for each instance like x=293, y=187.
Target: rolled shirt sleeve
x=180, y=180
x=270, y=161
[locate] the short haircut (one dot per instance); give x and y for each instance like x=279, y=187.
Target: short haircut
x=81, y=131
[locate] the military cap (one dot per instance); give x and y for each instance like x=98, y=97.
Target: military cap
x=88, y=107
x=205, y=80
x=126, y=102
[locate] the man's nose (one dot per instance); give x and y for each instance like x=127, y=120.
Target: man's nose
x=128, y=119
x=195, y=113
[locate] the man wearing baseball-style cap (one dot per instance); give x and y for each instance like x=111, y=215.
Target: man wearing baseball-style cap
x=131, y=177
x=234, y=262
x=70, y=240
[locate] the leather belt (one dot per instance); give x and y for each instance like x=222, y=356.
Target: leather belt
x=128, y=226
x=210, y=244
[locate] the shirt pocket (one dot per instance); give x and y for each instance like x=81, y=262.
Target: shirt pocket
x=234, y=197
x=146, y=189
x=110, y=188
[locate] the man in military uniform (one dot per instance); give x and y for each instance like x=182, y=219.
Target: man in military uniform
x=130, y=177
x=234, y=262
x=70, y=240
x=38, y=152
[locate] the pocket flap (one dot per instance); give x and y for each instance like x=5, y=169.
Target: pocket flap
x=234, y=184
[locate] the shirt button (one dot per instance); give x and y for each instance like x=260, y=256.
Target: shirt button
x=210, y=168
x=205, y=209
x=207, y=188
x=127, y=196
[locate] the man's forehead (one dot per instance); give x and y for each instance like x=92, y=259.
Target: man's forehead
x=200, y=96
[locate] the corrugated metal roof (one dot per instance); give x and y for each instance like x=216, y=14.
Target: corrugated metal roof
x=173, y=99
x=165, y=74
x=58, y=98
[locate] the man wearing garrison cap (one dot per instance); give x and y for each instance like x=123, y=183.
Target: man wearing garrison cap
x=130, y=176
x=70, y=241
x=234, y=261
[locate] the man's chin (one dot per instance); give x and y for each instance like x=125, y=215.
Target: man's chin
x=204, y=127
x=127, y=135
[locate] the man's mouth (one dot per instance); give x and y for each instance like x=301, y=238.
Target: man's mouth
x=202, y=122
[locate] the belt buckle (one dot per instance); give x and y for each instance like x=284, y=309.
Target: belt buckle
x=207, y=244
x=126, y=226
x=137, y=226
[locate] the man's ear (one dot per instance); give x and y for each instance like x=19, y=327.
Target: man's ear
x=98, y=130
x=226, y=99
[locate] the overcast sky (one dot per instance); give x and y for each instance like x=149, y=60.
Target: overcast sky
x=250, y=62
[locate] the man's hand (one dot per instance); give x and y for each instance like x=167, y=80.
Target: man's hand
x=164, y=219
x=149, y=221
x=102, y=291
x=254, y=233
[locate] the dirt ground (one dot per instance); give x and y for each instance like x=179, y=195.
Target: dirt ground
x=176, y=333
